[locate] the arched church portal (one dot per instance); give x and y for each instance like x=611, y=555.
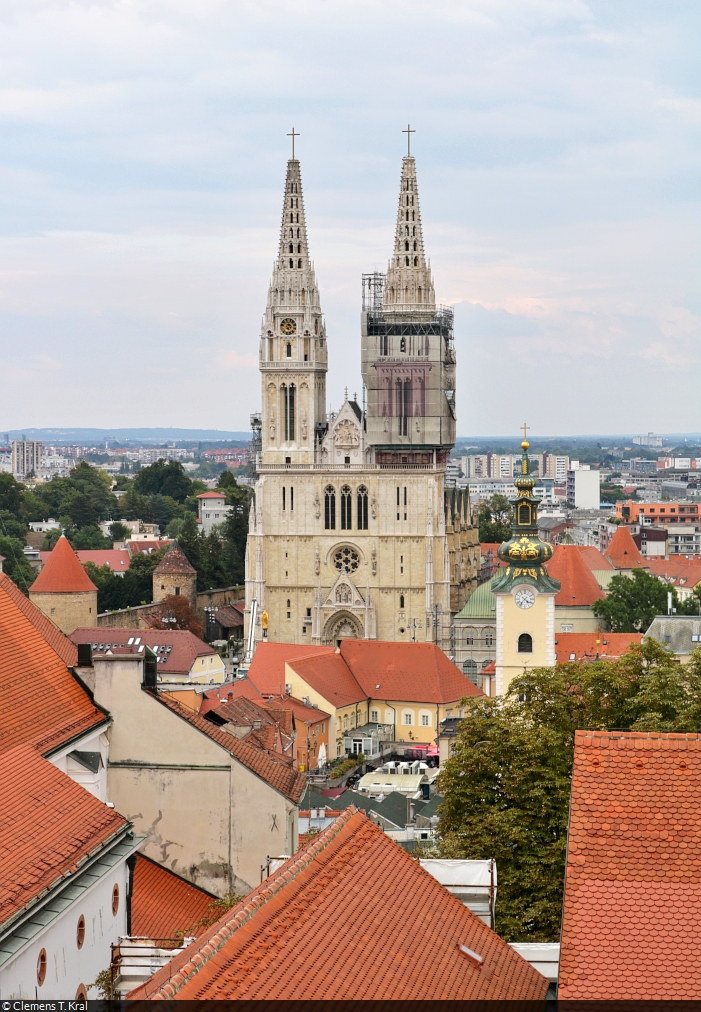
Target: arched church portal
x=342, y=626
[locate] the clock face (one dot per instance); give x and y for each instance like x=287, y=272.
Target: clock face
x=288, y=326
x=524, y=598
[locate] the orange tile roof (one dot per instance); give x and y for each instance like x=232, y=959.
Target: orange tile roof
x=677, y=570
x=330, y=676
x=62, y=572
x=186, y=647
x=117, y=559
x=623, y=552
x=163, y=903
x=590, y=645
x=40, y=700
x=276, y=771
x=244, y=688
x=211, y=495
x=593, y=557
x=632, y=908
x=415, y=672
x=48, y=825
x=267, y=670
x=349, y=917
x=67, y=651
x=578, y=588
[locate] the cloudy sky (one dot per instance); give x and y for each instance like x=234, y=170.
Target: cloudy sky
x=142, y=157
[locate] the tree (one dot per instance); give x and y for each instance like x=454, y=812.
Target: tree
x=166, y=478
x=191, y=544
x=633, y=601
x=89, y=537
x=12, y=526
x=50, y=539
x=507, y=782
x=174, y=527
x=176, y=612
x=10, y=494
x=495, y=520
x=226, y=480
x=118, y=531
x=16, y=565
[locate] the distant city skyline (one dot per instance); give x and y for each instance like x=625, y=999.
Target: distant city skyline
x=143, y=161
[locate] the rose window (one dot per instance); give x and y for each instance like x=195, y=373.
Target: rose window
x=346, y=560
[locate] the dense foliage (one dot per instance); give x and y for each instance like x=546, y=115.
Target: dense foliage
x=176, y=612
x=632, y=602
x=507, y=783
x=494, y=519
x=128, y=590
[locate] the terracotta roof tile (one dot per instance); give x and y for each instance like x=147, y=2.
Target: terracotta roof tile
x=632, y=908
x=62, y=573
x=350, y=917
x=587, y=646
x=48, y=823
x=330, y=676
x=273, y=769
x=186, y=647
x=578, y=587
x=267, y=670
x=163, y=903
x=40, y=700
x=677, y=571
x=174, y=562
x=622, y=552
x=593, y=558
x=415, y=672
x=211, y=495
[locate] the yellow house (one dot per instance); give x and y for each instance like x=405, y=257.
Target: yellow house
x=410, y=686
x=182, y=657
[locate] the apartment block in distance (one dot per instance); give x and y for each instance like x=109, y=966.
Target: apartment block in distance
x=583, y=486
x=26, y=457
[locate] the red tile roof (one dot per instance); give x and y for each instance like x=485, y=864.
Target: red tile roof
x=62, y=572
x=163, y=903
x=415, y=672
x=578, y=588
x=48, y=825
x=40, y=700
x=267, y=670
x=117, y=559
x=186, y=647
x=244, y=688
x=146, y=547
x=632, y=909
x=330, y=676
x=349, y=917
x=174, y=562
x=590, y=645
x=593, y=558
x=66, y=650
x=623, y=552
x=276, y=771
x=212, y=495
x=677, y=571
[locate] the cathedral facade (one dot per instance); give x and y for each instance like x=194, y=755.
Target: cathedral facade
x=351, y=532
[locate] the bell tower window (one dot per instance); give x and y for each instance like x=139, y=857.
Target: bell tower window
x=288, y=398
x=288, y=350
x=525, y=643
x=330, y=508
x=346, y=509
x=362, y=514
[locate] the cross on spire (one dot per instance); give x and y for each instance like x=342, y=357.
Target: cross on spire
x=525, y=431
x=408, y=132
x=293, y=135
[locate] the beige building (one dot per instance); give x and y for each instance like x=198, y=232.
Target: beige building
x=212, y=808
x=64, y=591
x=352, y=533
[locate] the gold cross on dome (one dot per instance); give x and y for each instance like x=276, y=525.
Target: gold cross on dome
x=293, y=135
x=408, y=132
x=525, y=431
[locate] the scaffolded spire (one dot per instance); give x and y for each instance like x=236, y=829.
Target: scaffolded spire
x=409, y=284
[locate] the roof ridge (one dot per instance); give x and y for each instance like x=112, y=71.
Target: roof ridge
x=243, y=911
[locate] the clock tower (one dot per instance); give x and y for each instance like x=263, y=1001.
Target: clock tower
x=525, y=593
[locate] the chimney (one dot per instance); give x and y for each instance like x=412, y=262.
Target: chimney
x=150, y=681
x=85, y=655
x=257, y=724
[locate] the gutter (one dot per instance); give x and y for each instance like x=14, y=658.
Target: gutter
x=76, y=737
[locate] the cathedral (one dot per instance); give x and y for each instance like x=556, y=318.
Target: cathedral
x=352, y=532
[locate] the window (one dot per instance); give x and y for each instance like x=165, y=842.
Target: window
x=470, y=640
x=330, y=508
x=525, y=643
x=362, y=514
x=288, y=396
x=346, y=510
x=288, y=350
x=283, y=498
x=374, y=716
x=401, y=602
x=489, y=639
x=115, y=900
x=408, y=719
x=80, y=932
x=309, y=613
x=345, y=721
x=402, y=344
x=177, y=591
x=524, y=514
x=425, y=720
x=41, y=967
x=292, y=499
x=346, y=560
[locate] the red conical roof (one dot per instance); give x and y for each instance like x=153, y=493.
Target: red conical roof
x=622, y=552
x=63, y=573
x=578, y=588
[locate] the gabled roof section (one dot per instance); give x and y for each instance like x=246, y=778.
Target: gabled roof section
x=578, y=587
x=415, y=672
x=184, y=650
x=276, y=771
x=350, y=917
x=48, y=826
x=211, y=495
x=590, y=646
x=329, y=675
x=677, y=571
x=267, y=670
x=632, y=908
x=174, y=563
x=40, y=700
x=117, y=559
x=62, y=572
x=162, y=903
x=622, y=552
x=593, y=558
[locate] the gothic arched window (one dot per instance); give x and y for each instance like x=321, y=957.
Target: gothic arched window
x=406, y=245
x=414, y=244
x=362, y=514
x=289, y=350
x=292, y=263
x=525, y=643
x=346, y=508
x=330, y=508
x=402, y=344
x=299, y=264
x=288, y=399
x=416, y=261
x=407, y=261
x=292, y=249
x=299, y=247
x=401, y=602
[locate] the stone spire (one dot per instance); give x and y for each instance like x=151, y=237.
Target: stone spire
x=409, y=283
